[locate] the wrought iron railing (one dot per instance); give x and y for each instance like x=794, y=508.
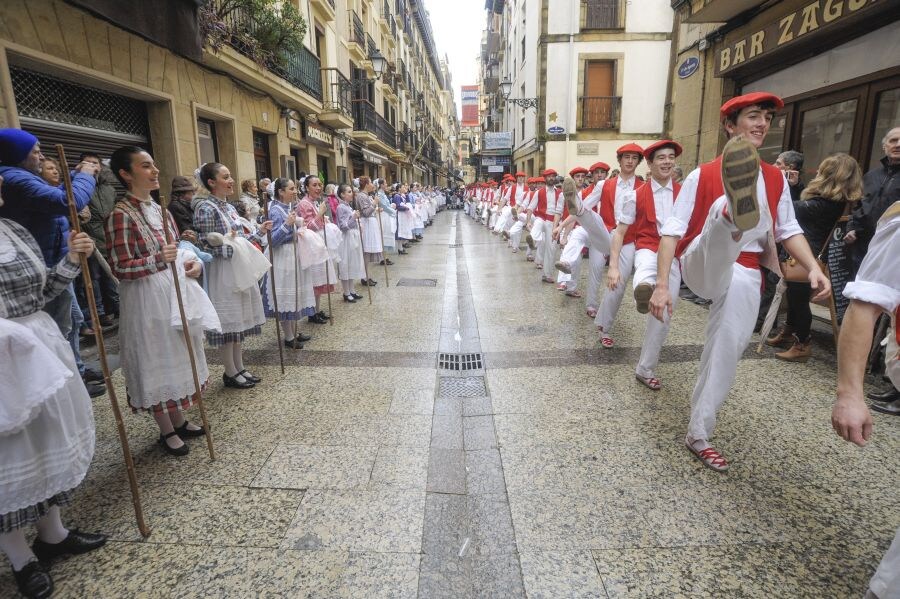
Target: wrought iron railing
x=357, y=31
x=600, y=112
x=386, y=11
x=602, y=14
x=338, y=92
x=370, y=44
x=366, y=118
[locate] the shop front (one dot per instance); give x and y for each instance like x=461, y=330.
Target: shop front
x=321, y=142
x=837, y=66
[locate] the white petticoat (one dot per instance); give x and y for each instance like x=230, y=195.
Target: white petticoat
x=371, y=235
x=52, y=451
x=405, y=222
x=293, y=287
x=238, y=311
x=351, y=265
x=155, y=361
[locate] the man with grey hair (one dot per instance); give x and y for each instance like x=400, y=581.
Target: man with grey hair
x=880, y=191
x=791, y=162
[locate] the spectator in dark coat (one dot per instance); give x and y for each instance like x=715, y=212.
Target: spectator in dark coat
x=881, y=190
x=791, y=162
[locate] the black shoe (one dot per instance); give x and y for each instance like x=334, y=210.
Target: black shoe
x=356, y=296
x=232, y=382
x=75, y=542
x=316, y=319
x=303, y=338
x=350, y=299
x=183, y=431
x=322, y=314
x=176, y=451
x=34, y=581
x=887, y=407
x=364, y=282
x=247, y=376
x=91, y=376
x=293, y=343
x=885, y=396
x=402, y=252
x=95, y=389
x=372, y=282
x=385, y=261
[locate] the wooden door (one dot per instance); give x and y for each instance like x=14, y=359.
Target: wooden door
x=599, y=106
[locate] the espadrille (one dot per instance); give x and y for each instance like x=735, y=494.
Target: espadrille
x=740, y=170
x=570, y=193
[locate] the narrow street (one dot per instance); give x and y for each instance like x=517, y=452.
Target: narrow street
x=544, y=470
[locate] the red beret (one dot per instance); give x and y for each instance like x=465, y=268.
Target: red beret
x=735, y=104
x=597, y=165
x=632, y=147
x=549, y=173
x=521, y=174
x=578, y=169
x=665, y=143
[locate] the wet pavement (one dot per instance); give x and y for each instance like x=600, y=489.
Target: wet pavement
x=472, y=439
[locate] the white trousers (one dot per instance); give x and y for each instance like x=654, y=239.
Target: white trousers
x=571, y=254
x=612, y=298
x=656, y=331
x=599, y=241
x=886, y=581
x=709, y=268
x=504, y=222
x=547, y=249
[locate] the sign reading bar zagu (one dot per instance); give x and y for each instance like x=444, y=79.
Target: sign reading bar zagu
x=812, y=17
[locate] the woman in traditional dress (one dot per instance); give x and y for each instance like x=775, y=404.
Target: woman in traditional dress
x=311, y=209
x=351, y=266
x=293, y=286
x=233, y=273
x=46, y=420
x=368, y=219
x=405, y=218
x=158, y=375
x=388, y=217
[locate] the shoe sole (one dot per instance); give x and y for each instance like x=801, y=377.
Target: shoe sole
x=530, y=241
x=570, y=193
x=642, y=295
x=563, y=267
x=740, y=170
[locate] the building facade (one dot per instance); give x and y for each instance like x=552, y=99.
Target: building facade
x=836, y=64
x=572, y=80
x=192, y=85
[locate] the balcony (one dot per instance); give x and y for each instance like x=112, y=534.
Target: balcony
x=326, y=6
x=369, y=126
x=407, y=29
x=386, y=19
x=357, y=41
x=337, y=103
x=370, y=45
x=600, y=112
x=389, y=82
x=602, y=14
x=490, y=84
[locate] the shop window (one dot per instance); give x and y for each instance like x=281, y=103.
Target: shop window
x=599, y=105
x=887, y=116
x=827, y=130
x=206, y=137
x=774, y=142
x=261, y=156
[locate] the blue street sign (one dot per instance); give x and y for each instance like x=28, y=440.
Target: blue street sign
x=689, y=67
x=556, y=130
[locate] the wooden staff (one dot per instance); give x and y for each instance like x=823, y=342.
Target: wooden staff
x=186, y=332
x=362, y=251
x=327, y=276
x=387, y=279
x=278, y=336
x=296, y=273
x=101, y=348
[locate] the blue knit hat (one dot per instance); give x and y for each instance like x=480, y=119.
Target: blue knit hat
x=15, y=144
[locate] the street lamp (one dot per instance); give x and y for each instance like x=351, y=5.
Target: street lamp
x=379, y=62
x=419, y=121
x=506, y=89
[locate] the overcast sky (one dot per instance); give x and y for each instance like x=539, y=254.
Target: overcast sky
x=457, y=26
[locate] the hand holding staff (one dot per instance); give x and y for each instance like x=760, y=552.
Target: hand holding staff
x=198, y=395
x=265, y=208
x=101, y=348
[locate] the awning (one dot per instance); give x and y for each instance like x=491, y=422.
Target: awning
x=374, y=158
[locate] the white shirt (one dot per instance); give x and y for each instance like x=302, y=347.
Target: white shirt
x=521, y=192
x=878, y=279
x=554, y=201
x=786, y=224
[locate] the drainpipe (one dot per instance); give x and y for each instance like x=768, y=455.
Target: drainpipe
x=702, y=102
x=574, y=18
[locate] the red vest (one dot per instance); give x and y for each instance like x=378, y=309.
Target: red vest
x=540, y=211
x=646, y=232
x=607, y=207
x=710, y=188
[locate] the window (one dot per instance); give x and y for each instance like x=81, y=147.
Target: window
x=602, y=14
x=206, y=136
x=523, y=47
x=261, y=155
x=887, y=115
x=522, y=123
x=827, y=130
x=599, y=104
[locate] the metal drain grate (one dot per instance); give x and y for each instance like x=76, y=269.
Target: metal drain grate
x=460, y=362
x=417, y=283
x=468, y=386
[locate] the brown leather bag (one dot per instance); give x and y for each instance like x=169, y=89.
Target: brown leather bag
x=794, y=272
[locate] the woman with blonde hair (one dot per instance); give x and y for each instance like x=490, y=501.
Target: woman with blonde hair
x=825, y=199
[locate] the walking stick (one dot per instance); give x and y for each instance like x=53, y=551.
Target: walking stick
x=101, y=348
x=296, y=275
x=186, y=332
x=387, y=279
x=365, y=264
x=327, y=276
x=265, y=208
